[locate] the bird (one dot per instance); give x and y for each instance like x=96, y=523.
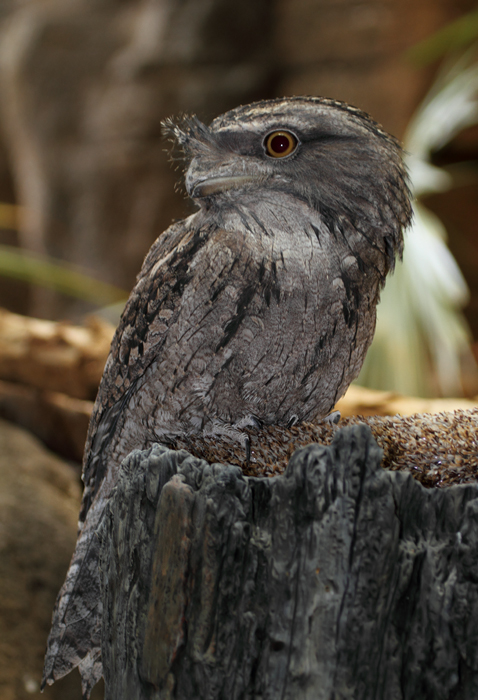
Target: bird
x=257, y=309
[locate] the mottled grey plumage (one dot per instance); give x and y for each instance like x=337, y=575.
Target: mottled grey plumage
x=258, y=307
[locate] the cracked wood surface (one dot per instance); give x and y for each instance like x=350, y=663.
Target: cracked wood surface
x=337, y=579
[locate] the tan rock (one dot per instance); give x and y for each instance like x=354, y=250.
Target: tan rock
x=39, y=502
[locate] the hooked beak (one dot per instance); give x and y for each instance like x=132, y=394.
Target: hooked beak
x=215, y=185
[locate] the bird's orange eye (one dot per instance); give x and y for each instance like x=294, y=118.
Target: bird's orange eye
x=280, y=144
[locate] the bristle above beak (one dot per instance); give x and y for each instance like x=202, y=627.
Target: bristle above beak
x=189, y=133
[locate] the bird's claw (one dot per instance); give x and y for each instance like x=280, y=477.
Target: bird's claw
x=333, y=418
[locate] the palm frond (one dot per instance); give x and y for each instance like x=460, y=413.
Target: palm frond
x=422, y=336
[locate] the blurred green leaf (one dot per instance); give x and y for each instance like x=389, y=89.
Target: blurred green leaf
x=422, y=339
x=456, y=35
x=56, y=275
x=421, y=334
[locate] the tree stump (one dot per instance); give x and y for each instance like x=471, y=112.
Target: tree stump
x=336, y=580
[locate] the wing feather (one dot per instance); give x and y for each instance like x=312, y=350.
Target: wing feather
x=149, y=313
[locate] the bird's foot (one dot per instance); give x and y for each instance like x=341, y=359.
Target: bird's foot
x=293, y=420
x=333, y=418
x=248, y=422
x=235, y=432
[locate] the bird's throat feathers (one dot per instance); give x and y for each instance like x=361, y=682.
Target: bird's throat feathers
x=281, y=227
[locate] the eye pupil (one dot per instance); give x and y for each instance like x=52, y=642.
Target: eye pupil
x=280, y=144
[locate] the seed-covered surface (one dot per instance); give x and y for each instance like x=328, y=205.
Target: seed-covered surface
x=439, y=449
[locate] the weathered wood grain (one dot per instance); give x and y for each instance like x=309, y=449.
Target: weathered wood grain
x=336, y=580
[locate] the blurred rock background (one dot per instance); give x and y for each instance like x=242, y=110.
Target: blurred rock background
x=84, y=178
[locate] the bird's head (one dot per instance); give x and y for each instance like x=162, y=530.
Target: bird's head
x=326, y=153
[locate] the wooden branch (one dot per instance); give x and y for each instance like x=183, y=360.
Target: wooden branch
x=360, y=401
x=50, y=372
x=338, y=579
x=60, y=421
x=54, y=356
